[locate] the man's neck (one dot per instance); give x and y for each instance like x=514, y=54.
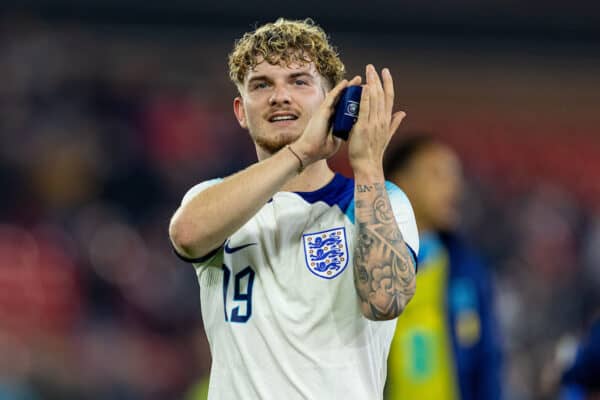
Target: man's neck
x=314, y=177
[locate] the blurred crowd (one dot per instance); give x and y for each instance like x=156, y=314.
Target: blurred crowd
x=101, y=133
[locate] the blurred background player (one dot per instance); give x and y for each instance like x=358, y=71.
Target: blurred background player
x=445, y=346
x=581, y=379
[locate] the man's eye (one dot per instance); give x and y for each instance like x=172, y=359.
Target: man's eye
x=301, y=82
x=261, y=85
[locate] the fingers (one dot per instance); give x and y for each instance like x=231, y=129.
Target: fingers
x=333, y=94
x=388, y=89
x=396, y=121
x=377, y=100
x=377, y=95
x=355, y=81
x=363, y=115
x=372, y=93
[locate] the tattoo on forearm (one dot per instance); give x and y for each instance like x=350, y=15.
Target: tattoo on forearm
x=383, y=272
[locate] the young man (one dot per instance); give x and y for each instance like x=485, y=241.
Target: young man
x=446, y=343
x=284, y=316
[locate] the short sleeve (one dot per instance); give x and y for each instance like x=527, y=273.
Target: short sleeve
x=405, y=217
x=199, y=188
x=213, y=257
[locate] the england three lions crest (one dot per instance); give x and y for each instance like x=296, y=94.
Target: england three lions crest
x=326, y=252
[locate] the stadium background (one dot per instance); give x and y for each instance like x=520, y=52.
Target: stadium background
x=110, y=110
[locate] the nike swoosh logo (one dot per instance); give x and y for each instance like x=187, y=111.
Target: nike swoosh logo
x=231, y=250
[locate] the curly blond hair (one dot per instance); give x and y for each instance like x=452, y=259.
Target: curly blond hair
x=284, y=42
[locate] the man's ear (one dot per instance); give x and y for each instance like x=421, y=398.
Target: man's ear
x=240, y=113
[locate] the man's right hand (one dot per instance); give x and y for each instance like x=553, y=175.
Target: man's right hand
x=317, y=142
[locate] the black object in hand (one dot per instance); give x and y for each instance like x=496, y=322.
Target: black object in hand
x=346, y=111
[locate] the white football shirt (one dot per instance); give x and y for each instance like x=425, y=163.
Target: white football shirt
x=279, y=304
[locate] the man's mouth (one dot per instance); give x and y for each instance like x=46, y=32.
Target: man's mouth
x=283, y=117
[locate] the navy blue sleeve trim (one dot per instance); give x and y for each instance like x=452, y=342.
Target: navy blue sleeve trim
x=198, y=259
x=414, y=257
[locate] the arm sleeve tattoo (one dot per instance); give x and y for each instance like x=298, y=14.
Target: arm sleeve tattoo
x=384, y=274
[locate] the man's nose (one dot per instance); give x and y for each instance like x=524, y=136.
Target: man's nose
x=280, y=95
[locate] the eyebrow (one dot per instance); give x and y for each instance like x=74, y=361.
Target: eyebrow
x=258, y=78
x=291, y=76
x=302, y=73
